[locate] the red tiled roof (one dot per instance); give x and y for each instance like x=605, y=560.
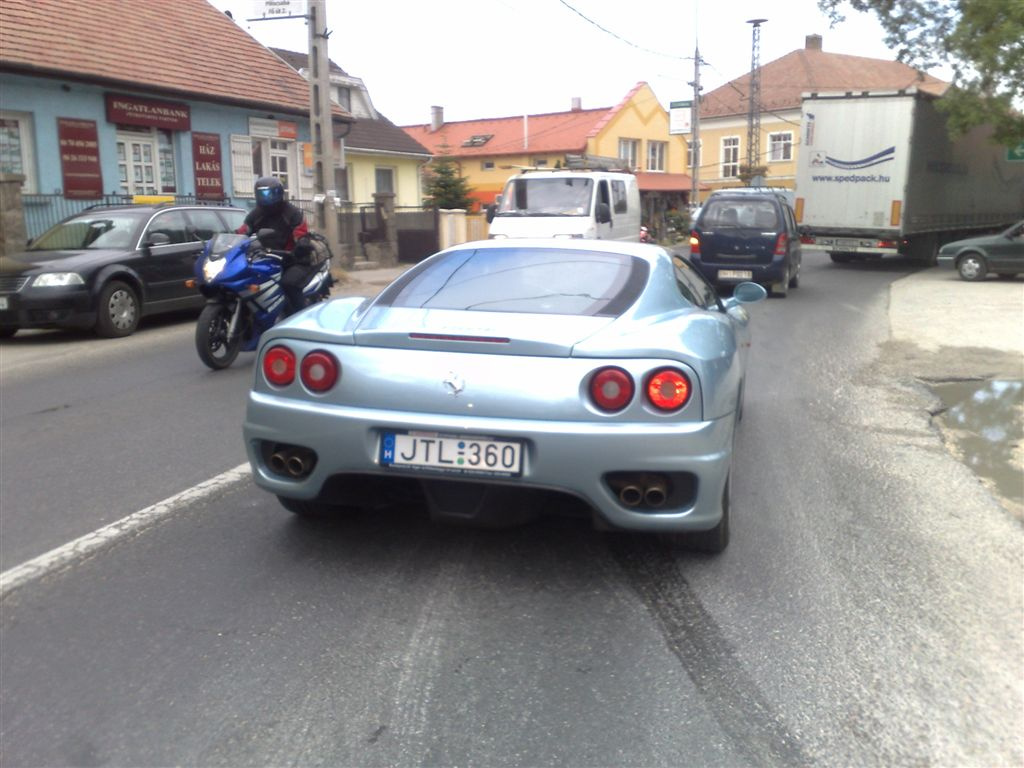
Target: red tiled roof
x=809, y=69
x=564, y=132
x=555, y=132
x=185, y=48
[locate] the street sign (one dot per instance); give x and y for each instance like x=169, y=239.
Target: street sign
x=1015, y=154
x=680, y=115
x=278, y=9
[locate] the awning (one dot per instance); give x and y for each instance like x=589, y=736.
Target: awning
x=666, y=182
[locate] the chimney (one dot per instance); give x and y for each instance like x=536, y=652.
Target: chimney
x=577, y=104
x=812, y=43
x=436, y=119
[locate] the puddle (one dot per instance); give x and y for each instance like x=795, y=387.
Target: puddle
x=985, y=421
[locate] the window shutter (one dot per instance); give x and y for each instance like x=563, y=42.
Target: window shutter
x=242, y=180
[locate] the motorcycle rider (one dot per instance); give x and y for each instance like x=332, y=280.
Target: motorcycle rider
x=291, y=234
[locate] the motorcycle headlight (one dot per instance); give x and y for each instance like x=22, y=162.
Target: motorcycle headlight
x=212, y=268
x=57, y=280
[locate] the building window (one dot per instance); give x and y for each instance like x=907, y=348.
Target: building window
x=385, y=180
x=487, y=165
x=780, y=146
x=730, y=157
x=145, y=161
x=629, y=151
x=690, y=160
x=253, y=157
x=656, y=155
x=341, y=184
x=343, y=96
x=279, y=153
x=540, y=162
x=16, y=149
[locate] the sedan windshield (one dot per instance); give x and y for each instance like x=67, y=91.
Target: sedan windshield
x=548, y=281
x=538, y=196
x=108, y=229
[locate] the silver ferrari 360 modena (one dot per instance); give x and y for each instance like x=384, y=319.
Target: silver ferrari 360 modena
x=499, y=379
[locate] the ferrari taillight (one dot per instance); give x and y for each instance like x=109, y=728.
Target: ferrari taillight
x=694, y=244
x=780, y=244
x=319, y=371
x=611, y=389
x=668, y=389
x=279, y=366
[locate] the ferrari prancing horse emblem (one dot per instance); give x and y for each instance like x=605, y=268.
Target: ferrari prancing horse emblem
x=455, y=383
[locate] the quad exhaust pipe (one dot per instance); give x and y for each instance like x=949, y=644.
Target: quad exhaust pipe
x=649, y=490
x=293, y=461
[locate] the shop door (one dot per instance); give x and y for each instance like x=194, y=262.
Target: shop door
x=136, y=165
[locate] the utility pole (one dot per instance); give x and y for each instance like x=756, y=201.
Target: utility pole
x=321, y=127
x=695, y=128
x=754, y=112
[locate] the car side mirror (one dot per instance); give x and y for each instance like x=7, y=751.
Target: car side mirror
x=158, y=238
x=491, y=210
x=604, y=213
x=745, y=293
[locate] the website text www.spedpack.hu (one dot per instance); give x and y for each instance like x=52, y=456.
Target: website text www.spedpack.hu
x=853, y=177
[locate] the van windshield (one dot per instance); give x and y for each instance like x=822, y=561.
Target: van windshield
x=540, y=196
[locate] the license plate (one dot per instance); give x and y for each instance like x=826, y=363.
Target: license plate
x=3, y=303
x=450, y=454
x=735, y=274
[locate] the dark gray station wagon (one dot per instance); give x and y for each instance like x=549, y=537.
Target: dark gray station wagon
x=747, y=237
x=108, y=266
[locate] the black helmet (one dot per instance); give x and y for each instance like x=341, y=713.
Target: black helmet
x=269, y=192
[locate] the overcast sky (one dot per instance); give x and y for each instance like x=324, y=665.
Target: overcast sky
x=510, y=57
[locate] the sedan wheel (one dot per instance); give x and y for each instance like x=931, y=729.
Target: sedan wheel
x=117, y=310
x=972, y=267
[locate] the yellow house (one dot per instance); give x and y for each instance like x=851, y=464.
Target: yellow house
x=632, y=135
x=724, y=111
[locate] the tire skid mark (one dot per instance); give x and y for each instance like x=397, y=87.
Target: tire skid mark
x=706, y=654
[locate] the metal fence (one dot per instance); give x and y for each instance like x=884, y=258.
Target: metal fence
x=43, y=211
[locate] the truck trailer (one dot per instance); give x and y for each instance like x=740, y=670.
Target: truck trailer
x=879, y=175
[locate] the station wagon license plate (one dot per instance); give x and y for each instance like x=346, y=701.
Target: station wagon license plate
x=735, y=274
x=451, y=454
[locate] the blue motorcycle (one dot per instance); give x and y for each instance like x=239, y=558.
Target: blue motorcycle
x=241, y=281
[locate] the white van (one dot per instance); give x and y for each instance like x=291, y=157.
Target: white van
x=594, y=205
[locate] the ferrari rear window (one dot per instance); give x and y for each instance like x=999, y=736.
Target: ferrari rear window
x=529, y=280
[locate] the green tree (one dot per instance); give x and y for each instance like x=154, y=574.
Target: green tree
x=981, y=40
x=445, y=187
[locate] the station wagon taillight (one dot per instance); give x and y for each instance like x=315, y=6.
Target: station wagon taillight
x=279, y=366
x=668, y=389
x=611, y=389
x=694, y=244
x=780, y=244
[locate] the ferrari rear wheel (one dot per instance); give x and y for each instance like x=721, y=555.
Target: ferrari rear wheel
x=712, y=541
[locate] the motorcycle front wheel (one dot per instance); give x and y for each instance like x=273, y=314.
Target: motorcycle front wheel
x=212, y=344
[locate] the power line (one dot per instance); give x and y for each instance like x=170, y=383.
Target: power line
x=620, y=38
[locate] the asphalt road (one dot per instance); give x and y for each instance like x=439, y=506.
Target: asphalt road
x=867, y=612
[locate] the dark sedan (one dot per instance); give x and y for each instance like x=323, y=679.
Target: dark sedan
x=108, y=266
x=976, y=257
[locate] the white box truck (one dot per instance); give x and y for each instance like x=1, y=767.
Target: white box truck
x=878, y=175
x=594, y=205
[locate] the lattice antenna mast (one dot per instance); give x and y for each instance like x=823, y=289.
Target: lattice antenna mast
x=754, y=111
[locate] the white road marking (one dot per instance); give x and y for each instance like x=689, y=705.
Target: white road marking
x=75, y=550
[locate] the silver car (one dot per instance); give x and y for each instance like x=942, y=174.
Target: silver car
x=500, y=379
